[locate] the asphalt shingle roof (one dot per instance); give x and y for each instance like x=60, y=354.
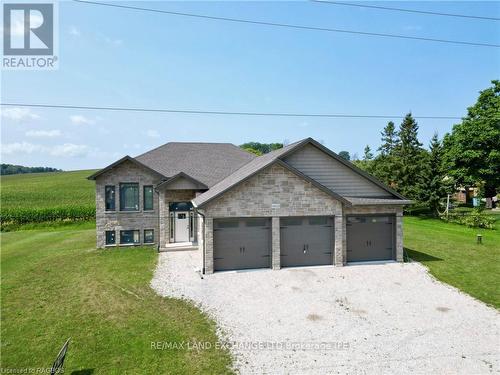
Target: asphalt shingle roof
x=208, y=163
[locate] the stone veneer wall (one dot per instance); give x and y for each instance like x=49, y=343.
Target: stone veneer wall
x=255, y=197
x=125, y=220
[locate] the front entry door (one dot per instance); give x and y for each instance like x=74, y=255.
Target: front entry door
x=182, y=227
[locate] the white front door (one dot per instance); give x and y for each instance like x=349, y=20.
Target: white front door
x=182, y=227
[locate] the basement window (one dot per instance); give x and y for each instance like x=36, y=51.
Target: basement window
x=149, y=236
x=129, y=237
x=110, y=237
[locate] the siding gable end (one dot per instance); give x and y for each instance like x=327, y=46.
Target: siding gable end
x=331, y=173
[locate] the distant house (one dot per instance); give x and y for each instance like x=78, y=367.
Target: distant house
x=300, y=205
x=465, y=194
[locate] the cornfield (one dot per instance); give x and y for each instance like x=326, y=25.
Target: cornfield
x=46, y=197
x=39, y=215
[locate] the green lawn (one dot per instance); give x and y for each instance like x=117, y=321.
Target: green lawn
x=452, y=255
x=55, y=285
x=43, y=190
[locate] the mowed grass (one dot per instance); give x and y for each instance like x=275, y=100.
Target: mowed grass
x=452, y=255
x=55, y=285
x=46, y=190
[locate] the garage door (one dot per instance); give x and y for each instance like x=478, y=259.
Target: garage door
x=242, y=243
x=306, y=241
x=370, y=238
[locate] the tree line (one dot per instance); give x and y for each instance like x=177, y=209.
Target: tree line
x=468, y=156
x=6, y=169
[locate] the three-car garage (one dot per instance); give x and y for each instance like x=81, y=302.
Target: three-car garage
x=246, y=243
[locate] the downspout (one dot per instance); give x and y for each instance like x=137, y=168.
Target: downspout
x=159, y=231
x=203, y=235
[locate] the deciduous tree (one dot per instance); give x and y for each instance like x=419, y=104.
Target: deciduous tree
x=472, y=149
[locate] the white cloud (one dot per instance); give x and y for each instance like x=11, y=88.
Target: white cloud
x=23, y=148
x=152, y=133
x=64, y=150
x=43, y=133
x=81, y=120
x=18, y=114
x=69, y=149
x=74, y=31
x=115, y=42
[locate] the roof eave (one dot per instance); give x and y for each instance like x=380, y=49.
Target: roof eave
x=402, y=202
x=118, y=162
x=200, y=184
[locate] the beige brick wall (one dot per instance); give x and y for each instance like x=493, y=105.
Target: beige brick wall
x=209, y=245
x=276, y=246
x=125, y=220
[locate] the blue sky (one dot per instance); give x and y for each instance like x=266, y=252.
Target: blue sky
x=115, y=57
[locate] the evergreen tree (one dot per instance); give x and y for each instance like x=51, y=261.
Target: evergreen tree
x=384, y=165
x=366, y=163
x=409, y=160
x=389, y=139
x=345, y=155
x=435, y=181
x=367, y=156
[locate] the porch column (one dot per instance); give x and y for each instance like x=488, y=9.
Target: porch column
x=163, y=207
x=340, y=233
x=399, y=235
x=275, y=249
x=209, y=245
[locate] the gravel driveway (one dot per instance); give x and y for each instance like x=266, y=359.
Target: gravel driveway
x=375, y=319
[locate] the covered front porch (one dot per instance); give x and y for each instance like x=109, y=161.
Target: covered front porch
x=178, y=224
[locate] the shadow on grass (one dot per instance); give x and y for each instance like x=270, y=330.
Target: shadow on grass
x=87, y=371
x=419, y=256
